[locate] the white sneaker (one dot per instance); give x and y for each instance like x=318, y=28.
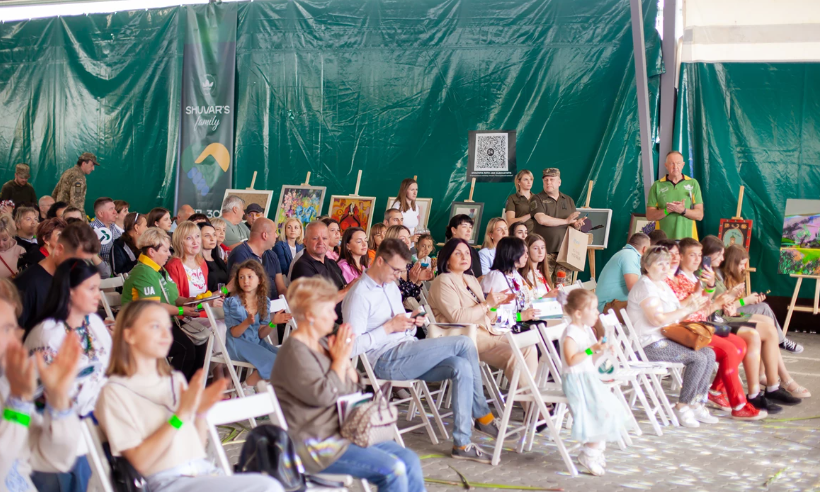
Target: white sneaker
x=686, y=417
x=592, y=465
x=703, y=415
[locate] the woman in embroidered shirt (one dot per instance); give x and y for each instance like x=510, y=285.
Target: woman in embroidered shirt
x=536, y=273
x=71, y=307
x=353, y=260
x=406, y=203
x=155, y=420
x=249, y=322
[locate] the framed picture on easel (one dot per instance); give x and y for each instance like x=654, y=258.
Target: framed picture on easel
x=474, y=211
x=735, y=231
x=424, y=205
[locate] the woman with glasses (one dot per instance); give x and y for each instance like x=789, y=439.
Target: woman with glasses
x=124, y=252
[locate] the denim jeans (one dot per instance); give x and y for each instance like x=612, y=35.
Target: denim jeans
x=439, y=359
x=75, y=480
x=386, y=465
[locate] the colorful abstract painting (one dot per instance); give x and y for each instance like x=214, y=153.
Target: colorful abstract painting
x=800, y=243
x=353, y=211
x=302, y=202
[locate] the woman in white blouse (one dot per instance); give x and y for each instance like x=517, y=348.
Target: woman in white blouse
x=406, y=203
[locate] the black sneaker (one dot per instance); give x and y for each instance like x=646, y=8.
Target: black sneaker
x=471, y=452
x=761, y=403
x=782, y=396
x=791, y=346
x=490, y=429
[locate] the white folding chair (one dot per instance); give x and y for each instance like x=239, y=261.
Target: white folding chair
x=525, y=388
x=262, y=404
x=590, y=285
x=110, y=298
x=101, y=471
x=658, y=404
x=281, y=304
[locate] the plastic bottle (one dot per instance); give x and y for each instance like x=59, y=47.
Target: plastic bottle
x=561, y=278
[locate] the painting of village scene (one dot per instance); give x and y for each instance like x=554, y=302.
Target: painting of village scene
x=800, y=243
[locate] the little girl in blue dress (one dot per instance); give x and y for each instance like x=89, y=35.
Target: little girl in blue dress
x=597, y=414
x=249, y=322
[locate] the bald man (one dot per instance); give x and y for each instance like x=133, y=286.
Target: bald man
x=258, y=247
x=675, y=201
x=183, y=213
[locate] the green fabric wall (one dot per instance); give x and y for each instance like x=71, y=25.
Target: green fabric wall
x=756, y=125
x=389, y=87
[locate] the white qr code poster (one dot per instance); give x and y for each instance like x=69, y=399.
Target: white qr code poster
x=491, y=156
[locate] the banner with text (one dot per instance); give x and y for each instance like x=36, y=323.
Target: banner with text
x=206, y=123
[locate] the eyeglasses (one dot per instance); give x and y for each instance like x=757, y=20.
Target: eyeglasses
x=396, y=271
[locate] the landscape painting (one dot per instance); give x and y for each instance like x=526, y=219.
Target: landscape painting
x=800, y=243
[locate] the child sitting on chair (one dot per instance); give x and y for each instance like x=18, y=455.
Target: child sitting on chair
x=597, y=414
x=249, y=322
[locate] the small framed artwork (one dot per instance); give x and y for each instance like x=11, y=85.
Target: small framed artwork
x=300, y=201
x=259, y=197
x=353, y=211
x=639, y=223
x=736, y=231
x=597, y=223
x=424, y=205
x=474, y=210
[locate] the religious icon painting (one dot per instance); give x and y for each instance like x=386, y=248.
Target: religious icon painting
x=353, y=211
x=736, y=231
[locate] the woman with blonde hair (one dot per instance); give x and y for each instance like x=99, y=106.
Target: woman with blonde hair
x=187, y=267
x=290, y=242
x=220, y=225
x=376, y=237
x=406, y=203
x=517, y=208
x=10, y=251
x=155, y=420
x=496, y=229
x=309, y=380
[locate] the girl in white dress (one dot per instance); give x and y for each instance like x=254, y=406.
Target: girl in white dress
x=406, y=203
x=597, y=414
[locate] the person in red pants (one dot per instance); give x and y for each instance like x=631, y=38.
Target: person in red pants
x=729, y=350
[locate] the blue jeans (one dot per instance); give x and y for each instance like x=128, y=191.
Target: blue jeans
x=439, y=359
x=386, y=465
x=75, y=480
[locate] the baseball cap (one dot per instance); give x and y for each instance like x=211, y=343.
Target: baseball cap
x=254, y=207
x=552, y=172
x=88, y=156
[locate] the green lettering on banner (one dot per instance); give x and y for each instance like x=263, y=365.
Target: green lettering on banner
x=206, y=122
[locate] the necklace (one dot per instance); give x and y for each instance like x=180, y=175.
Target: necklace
x=84, y=334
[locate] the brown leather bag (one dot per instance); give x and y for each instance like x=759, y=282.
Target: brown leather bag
x=689, y=334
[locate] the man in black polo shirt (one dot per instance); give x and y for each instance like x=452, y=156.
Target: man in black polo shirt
x=553, y=211
x=77, y=240
x=314, y=262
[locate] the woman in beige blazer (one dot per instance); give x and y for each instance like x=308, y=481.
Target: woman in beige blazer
x=456, y=297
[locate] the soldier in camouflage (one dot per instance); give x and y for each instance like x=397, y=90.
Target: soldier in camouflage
x=72, y=185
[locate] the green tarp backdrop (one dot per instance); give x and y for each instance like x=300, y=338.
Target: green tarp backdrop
x=388, y=87
x=755, y=125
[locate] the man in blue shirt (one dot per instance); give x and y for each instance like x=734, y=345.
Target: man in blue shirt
x=385, y=334
x=258, y=247
x=620, y=274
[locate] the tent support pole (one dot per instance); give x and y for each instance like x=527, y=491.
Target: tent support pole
x=643, y=95
x=670, y=64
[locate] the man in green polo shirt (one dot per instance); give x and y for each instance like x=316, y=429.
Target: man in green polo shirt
x=675, y=202
x=553, y=211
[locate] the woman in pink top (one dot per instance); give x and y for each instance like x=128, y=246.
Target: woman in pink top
x=353, y=259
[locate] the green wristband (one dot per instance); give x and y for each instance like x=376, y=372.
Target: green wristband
x=199, y=306
x=742, y=302
x=665, y=211
x=589, y=352
x=709, y=291
x=225, y=290
x=17, y=417
x=518, y=317
x=181, y=311
x=272, y=324
x=175, y=422
x=493, y=309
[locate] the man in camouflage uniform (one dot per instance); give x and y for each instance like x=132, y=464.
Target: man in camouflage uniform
x=72, y=185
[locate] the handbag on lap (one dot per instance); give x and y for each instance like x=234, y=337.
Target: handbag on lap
x=689, y=334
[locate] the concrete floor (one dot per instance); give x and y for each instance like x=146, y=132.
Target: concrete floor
x=771, y=454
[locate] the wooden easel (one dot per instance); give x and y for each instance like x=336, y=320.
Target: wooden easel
x=253, y=181
x=590, y=249
x=737, y=216
x=815, y=309
x=472, y=189
x=307, y=180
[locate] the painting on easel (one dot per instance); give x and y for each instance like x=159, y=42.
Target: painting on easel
x=736, y=231
x=353, y=211
x=800, y=242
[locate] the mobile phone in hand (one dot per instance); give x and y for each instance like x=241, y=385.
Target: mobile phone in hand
x=707, y=263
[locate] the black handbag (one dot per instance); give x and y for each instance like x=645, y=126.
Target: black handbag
x=124, y=477
x=269, y=450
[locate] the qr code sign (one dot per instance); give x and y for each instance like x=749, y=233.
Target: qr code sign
x=491, y=152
